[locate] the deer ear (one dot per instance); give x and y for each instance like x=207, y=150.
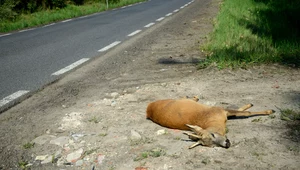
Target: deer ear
x=196, y=129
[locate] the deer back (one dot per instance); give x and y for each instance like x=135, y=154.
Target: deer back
x=176, y=114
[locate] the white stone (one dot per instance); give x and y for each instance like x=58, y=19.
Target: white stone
x=43, y=139
x=72, y=157
x=47, y=160
x=79, y=162
x=161, y=132
x=114, y=95
x=60, y=141
x=135, y=136
x=41, y=157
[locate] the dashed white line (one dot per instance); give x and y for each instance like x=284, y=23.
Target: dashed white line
x=169, y=14
x=67, y=20
x=70, y=67
x=160, y=19
x=3, y=35
x=109, y=46
x=149, y=25
x=176, y=10
x=12, y=97
x=182, y=7
x=133, y=33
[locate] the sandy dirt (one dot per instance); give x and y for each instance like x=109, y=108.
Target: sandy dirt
x=94, y=117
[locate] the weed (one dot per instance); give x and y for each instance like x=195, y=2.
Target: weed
x=88, y=152
x=157, y=152
x=28, y=145
x=103, y=134
x=273, y=116
x=289, y=114
x=94, y=120
x=23, y=164
x=256, y=120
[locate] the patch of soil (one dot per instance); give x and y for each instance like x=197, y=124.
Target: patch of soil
x=95, y=116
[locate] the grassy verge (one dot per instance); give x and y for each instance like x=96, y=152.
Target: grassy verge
x=254, y=31
x=49, y=16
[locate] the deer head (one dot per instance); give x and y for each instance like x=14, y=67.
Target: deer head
x=206, y=138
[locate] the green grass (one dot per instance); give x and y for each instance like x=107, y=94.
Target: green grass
x=252, y=32
x=157, y=152
x=49, y=16
x=28, y=145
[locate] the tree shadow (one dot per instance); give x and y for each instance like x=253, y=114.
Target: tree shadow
x=280, y=21
x=172, y=61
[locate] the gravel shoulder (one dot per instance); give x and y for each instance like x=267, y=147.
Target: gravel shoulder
x=94, y=117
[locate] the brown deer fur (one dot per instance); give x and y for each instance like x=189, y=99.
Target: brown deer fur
x=208, y=123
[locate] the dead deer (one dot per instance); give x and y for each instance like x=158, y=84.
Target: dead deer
x=207, y=123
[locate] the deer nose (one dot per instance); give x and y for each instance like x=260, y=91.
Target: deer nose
x=227, y=143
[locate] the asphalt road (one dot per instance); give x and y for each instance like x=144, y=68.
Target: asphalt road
x=32, y=58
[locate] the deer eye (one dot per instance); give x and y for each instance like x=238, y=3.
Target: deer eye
x=213, y=135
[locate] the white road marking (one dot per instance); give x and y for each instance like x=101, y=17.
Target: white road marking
x=133, y=33
x=109, y=46
x=67, y=20
x=160, y=19
x=84, y=16
x=182, y=7
x=48, y=25
x=169, y=14
x=12, y=97
x=176, y=10
x=70, y=67
x=149, y=25
x=27, y=30
x=3, y=35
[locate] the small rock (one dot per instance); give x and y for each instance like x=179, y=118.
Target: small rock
x=79, y=162
x=161, y=132
x=113, y=103
x=107, y=102
x=210, y=103
x=60, y=141
x=135, y=136
x=43, y=139
x=41, y=157
x=74, y=156
x=76, y=136
x=49, y=159
x=100, y=159
x=114, y=95
x=164, y=84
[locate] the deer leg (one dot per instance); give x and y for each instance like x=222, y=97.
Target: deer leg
x=246, y=107
x=247, y=113
x=192, y=136
x=195, y=144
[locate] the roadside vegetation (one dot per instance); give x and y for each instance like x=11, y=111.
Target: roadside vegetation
x=20, y=14
x=253, y=32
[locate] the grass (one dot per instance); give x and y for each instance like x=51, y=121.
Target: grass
x=50, y=16
x=28, y=145
x=157, y=152
x=292, y=117
x=23, y=164
x=252, y=32
x=94, y=119
x=289, y=114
